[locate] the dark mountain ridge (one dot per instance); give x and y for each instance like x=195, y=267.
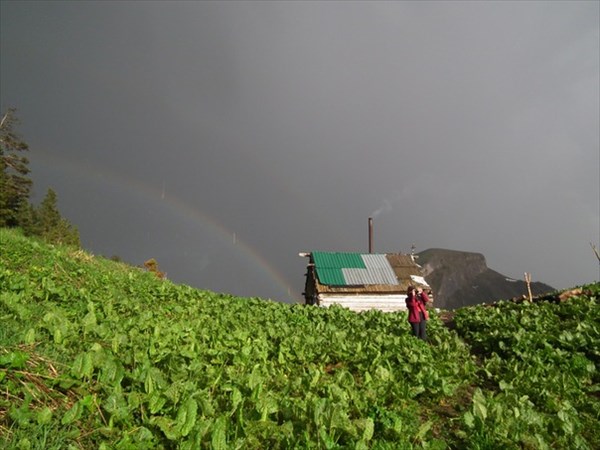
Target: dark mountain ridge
x=463, y=279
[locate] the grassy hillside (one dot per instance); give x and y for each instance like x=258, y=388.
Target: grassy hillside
x=97, y=354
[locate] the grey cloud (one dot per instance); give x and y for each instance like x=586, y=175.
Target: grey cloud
x=466, y=125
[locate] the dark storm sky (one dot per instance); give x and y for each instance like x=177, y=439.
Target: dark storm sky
x=222, y=138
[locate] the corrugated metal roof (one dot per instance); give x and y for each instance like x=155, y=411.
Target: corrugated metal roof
x=380, y=267
x=373, y=260
x=356, y=277
x=338, y=260
x=369, y=276
x=331, y=276
x=329, y=266
x=353, y=269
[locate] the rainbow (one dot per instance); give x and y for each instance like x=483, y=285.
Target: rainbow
x=177, y=206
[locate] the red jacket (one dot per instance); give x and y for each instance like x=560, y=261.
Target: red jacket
x=415, y=305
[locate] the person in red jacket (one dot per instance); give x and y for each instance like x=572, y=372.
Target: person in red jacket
x=417, y=312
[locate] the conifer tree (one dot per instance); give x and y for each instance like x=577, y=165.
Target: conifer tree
x=15, y=185
x=48, y=216
x=26, y=218
x=50, y=225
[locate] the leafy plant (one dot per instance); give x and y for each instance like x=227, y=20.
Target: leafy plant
x=97, y=354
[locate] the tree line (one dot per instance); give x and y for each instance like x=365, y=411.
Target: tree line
x=16, y=209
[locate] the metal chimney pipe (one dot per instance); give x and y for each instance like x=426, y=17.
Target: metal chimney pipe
x=370, y=235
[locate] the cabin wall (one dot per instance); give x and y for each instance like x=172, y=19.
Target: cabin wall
x=310, y=287
x=364, y=302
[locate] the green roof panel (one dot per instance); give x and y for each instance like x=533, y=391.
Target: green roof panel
x=338, y=260
x=329, y=266
x=331, y=277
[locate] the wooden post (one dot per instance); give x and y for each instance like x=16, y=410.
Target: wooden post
x=528, y=282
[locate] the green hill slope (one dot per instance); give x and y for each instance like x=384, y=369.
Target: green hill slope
x=97, y=354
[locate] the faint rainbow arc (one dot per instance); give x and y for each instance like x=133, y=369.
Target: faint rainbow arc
x=232, y=238
x=179, y=206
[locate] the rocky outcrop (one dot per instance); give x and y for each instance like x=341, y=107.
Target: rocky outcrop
x=463, y=279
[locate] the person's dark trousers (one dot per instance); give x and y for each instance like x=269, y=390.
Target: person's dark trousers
x=419, y=329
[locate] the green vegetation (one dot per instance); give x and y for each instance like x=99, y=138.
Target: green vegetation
x=15, y=184
x=15, y=188
x=539, y=363
x=97, y=354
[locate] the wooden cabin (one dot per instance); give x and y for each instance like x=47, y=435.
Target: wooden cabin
x=361, y=281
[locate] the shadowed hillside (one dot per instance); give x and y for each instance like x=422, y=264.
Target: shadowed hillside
x=463, y=279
